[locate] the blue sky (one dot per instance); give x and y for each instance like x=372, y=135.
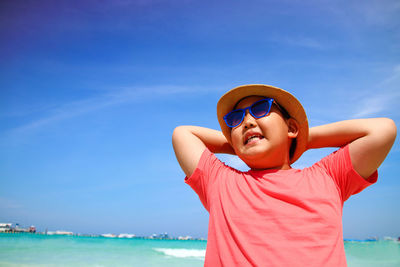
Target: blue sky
x=90, y=92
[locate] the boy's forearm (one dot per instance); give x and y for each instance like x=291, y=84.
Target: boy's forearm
x=214, y=140
x=335, y=134
x=344, y=132
x=189, y=143
x=370, y=140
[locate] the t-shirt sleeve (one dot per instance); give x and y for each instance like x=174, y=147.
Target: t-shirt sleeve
x=204, y=176
x=338, y=165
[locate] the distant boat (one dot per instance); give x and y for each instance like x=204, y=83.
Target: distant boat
x=126, y=235
x=59, y=233
x=108, y=235
x=5, y=227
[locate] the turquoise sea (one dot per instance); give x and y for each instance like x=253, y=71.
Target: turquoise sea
x=46, y=250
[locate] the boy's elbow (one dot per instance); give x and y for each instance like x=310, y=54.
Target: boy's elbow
x=387, y=130
x=390, y=128
x=178, y=133
x=179, y=129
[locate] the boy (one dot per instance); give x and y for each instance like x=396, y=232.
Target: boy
x=274, y=215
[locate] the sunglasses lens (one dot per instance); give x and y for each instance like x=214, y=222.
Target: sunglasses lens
x=260, y=108
x=257, y=110
x=234, y=118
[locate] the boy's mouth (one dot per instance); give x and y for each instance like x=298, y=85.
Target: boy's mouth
x=249, y=138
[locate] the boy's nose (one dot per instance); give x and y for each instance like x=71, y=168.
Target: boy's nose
x=248, y=120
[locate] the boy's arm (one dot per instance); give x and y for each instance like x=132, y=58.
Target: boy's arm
x=189, y=143
x=369, y=141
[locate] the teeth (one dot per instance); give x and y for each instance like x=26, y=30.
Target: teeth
x=251, y=137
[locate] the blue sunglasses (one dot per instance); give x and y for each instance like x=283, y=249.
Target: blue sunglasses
x=259, y=109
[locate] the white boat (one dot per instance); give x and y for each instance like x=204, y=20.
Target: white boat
x=126, y=235
x=108, y=235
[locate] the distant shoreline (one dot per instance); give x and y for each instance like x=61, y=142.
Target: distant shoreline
x=127, y=236
x=105, y=236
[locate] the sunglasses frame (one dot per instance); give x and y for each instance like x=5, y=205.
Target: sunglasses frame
x=267, y=99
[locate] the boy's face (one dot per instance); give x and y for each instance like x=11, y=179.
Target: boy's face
x=263, y=143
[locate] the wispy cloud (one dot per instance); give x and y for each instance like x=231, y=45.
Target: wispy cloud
x=372, y=105
x=109, y=99
x=362, y=13
x=384, y=96
x=379, y=12
x=302, y=41
x=392, y=79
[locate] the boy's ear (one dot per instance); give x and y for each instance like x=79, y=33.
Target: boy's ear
x=293, y=128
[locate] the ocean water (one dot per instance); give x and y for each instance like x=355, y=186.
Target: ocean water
x=52, y=250
x=42, y=250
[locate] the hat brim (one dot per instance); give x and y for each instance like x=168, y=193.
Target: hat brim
x=282, y=97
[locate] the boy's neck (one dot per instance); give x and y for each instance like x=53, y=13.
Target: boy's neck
x=283, y=167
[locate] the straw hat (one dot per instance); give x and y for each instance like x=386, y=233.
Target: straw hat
x=283, y=98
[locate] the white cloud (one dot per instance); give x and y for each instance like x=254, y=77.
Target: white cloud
x=360, y=13
x=393, y=79
x=384, y=96
x=111, y=98
x=302, y=41
x=372, y=105
x=378, y=11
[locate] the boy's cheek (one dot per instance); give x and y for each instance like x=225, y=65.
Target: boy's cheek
x=236, y=141
x=234, y=146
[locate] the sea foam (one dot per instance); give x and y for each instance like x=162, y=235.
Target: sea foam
x=182, y=253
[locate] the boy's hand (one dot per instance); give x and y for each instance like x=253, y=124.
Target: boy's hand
x=189, y=143
x=370, y=140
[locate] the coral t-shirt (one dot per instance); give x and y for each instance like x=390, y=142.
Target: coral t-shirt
x=276, y=217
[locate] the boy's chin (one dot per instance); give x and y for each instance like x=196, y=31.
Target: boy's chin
x=254, y=155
